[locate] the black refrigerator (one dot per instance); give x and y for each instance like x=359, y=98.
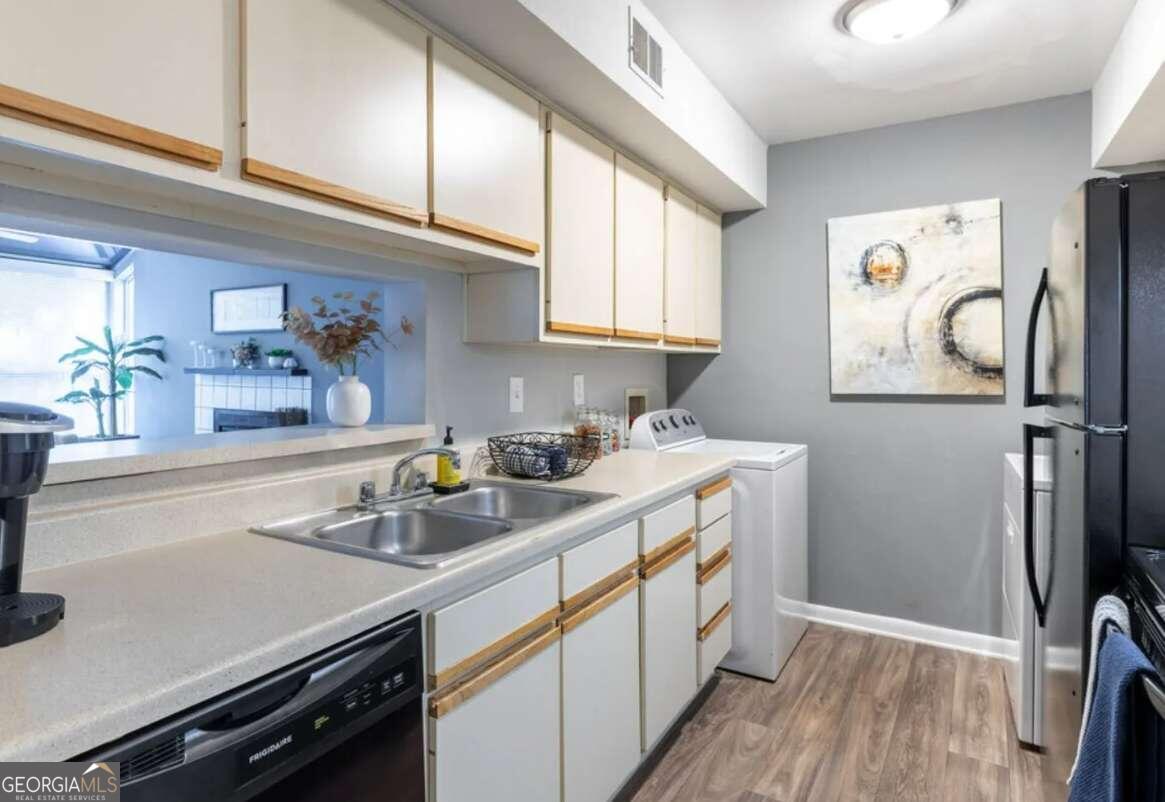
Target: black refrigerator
x=1100, y=307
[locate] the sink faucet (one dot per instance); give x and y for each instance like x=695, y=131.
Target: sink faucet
x=369, y=497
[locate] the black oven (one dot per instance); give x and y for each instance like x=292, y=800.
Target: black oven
x=342, y=725
x=1144, y=592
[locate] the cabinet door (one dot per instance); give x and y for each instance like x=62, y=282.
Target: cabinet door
x=143, y=74
x=335, y=103
x=682, y=221
x=708, y=293
x=488, y=175
x=496, y=737
x=638, y=252
x=580, y=269
x=600, y=694
x=668, y=640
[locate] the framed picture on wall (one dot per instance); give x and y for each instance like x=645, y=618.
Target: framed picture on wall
x=245, y=310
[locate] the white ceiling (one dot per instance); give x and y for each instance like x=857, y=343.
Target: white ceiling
x=786, y=66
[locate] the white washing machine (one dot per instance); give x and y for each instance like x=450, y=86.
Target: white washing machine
x=770, y=571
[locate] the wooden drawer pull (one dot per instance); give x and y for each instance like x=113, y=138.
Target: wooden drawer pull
x=675, y=339
x=666, y=546
x=494, y=649
x=456, y=695
x=666, y=561
x=706, y=631
x=707, y=341
x=714, y=488
x=635, y=334
x=579, y=328
x=576, y=617
x=260, y=172
x=714, y=565
x=490, y=235
x=585, y=596
x=82, y=122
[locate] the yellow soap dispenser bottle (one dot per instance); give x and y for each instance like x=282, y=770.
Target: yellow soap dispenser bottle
x=448, y=477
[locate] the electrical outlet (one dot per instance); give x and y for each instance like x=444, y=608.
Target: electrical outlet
x=580, y=390
x=517, y=394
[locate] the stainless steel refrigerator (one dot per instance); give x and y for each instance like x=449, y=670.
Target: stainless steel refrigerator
x=1101, y=308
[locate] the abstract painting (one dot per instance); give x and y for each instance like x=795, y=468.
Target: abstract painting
x=916, y=302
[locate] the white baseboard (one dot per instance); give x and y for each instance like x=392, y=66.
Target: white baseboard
x=902, y=629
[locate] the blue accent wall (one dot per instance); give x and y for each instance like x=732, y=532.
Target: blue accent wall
x=173, y=299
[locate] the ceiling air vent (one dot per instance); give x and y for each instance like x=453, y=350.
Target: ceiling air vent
x=646, y=54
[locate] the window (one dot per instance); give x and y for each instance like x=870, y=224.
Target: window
x=42, y=309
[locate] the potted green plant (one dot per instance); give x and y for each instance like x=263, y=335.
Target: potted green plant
x=340, y=338
x=113, y=359
x=246, y=353
x=276, y=356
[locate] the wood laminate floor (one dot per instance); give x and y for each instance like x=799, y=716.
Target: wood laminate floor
x=856, y=718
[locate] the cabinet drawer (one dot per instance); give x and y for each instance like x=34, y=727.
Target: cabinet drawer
x=588, y=567
x=715, y=587
x=711, y=540
x=660, y=530
x=713, y=501
x=469, y=632
x=714, y=644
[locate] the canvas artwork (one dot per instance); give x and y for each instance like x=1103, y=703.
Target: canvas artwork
x=916, y=301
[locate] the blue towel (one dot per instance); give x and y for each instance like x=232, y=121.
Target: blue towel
x=1104, y=759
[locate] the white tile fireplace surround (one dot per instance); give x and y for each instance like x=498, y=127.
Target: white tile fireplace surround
x=253, y=393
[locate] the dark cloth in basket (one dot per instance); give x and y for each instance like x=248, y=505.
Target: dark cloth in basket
x=534, y=460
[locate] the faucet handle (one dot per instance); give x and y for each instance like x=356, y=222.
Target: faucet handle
x=367, y=492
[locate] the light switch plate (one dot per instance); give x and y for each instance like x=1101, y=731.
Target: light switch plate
x=580, y=390
x=517, y=394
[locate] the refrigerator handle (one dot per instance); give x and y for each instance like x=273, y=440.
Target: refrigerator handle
x=1031, y=433
x=1030, y=397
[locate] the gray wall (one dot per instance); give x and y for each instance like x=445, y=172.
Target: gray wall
x=904, y=498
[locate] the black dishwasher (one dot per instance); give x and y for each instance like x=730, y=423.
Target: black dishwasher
x=343, y=724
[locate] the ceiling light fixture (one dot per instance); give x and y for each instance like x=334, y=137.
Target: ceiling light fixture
x=886, y=21
x=18, y=236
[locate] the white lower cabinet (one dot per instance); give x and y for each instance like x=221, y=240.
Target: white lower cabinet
x=501, y=743
x=600, y=701
x=667, y=600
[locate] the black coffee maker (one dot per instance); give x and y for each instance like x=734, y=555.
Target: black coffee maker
x=26, y=435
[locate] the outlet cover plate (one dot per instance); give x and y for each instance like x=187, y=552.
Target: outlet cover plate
x=517, y=394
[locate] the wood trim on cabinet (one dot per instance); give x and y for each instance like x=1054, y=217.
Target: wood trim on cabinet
x=82, y=122
x=260, y=172
x=708, y=563
x=714, y=565
x=635, y=334
x=490, y=235
x=676, y=339
x=579, y=328
x=576, y=617
x=597, y=589
x=707, y=341
x=704, y=632
x=456, y=695
x=667, y=545
x=666, y=561
x=714, y=488
x=494, y=649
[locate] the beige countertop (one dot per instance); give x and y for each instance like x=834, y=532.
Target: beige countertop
x=149, y=633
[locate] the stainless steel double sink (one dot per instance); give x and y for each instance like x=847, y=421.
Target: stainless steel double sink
x=432, y=531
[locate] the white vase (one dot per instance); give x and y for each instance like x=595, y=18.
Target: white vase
x=349, y=402
x=274, y=361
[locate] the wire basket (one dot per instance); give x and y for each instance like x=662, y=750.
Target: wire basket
x=543, y=455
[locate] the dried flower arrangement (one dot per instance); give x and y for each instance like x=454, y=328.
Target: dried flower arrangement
x=341, y=336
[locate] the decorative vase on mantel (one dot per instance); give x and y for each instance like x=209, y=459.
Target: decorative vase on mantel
x=349, y=402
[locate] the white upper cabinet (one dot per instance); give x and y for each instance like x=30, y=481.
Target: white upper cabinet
x=142, y=74
x=580, y=270
x=682, y=255
x=708, y=281
x=488, y=168
x=335, y=103
x=638, y=252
